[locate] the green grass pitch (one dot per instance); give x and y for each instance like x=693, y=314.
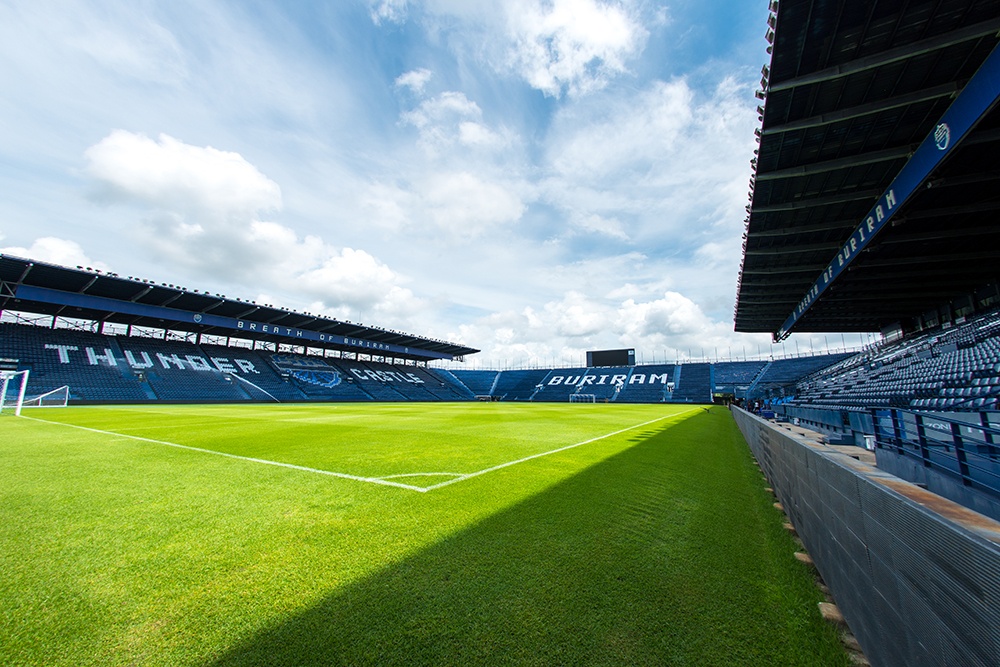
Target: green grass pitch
x=416, y=534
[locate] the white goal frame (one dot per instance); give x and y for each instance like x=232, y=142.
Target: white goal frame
x=7, y=377
x=583, y=398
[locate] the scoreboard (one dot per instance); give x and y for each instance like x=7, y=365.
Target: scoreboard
x=611, y=358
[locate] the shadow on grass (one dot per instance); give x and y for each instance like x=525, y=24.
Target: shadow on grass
x=644, y=558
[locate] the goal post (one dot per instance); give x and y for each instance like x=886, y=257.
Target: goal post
x=582, y=398
x=9, y=378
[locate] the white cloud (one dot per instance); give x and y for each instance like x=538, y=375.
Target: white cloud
x=465, y=205
x=205, y=207
x=457, y=206
x=356, y=279
x=593, y=223
x=388, y=205
x=496, y=199
x=464, y=183
x=388, y=11
x=666, y=327
x=572, y=45
x=55, y=251
x=665, y=170
x=171, y=175
x=626, y=135
x=577, y=316
x=672, y=315
x=415, y=80
x=146, y=51
x=439, y=119
x=479, y=136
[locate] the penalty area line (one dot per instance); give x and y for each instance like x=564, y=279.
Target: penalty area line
x=554, y=451
x=292, y=466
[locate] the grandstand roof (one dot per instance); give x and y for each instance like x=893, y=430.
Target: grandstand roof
x=855, y=92
x=48, y=289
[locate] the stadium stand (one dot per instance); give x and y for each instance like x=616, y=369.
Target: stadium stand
x=872, y=208
x=317, y=378
x=74, y=358
x=648, y=384
x=737, y=376
x=519, y=385
x=782, y=374
x=953, y=369
x=694, y=384
x=957, y=370
x=478, y=383
x=122, y=369
x=266, y=384
x=177, y=371
x=944, y=369
x=439, y=384
x=558, y=384
x=605, y=383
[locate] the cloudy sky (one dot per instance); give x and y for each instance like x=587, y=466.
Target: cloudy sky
x=534, y=178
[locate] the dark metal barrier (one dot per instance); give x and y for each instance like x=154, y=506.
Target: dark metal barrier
x=916, y=576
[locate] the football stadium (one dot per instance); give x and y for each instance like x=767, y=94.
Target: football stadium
x=191, y=478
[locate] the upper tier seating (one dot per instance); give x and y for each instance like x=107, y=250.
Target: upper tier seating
x=951, y=369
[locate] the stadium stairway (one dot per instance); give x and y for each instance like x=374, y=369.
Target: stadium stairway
x=693, y=384
x=519, y=385
x=479, y=383
x=463, y=391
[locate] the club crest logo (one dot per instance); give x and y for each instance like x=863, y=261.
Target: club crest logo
x=197, y=317
x=942, y=136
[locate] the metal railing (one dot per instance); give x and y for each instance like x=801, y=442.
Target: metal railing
x=966, y=451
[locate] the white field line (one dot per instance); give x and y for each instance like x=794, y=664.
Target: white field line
x=384, y=481
x=554, y=451
x=422, y=474
x=370, y=480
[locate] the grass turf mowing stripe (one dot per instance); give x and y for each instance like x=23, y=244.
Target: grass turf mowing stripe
x=356, y=478
x=657, y=547
x=553, y=451
x=383, y=480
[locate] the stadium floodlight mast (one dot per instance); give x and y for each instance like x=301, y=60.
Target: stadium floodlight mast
x=7, y=377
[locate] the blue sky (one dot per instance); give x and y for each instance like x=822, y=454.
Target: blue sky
x=532, y=178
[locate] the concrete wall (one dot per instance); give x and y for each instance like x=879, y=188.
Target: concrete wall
x=916, y=576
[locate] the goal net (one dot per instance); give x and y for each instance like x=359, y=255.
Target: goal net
x=582, y=398
x=57, y=398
